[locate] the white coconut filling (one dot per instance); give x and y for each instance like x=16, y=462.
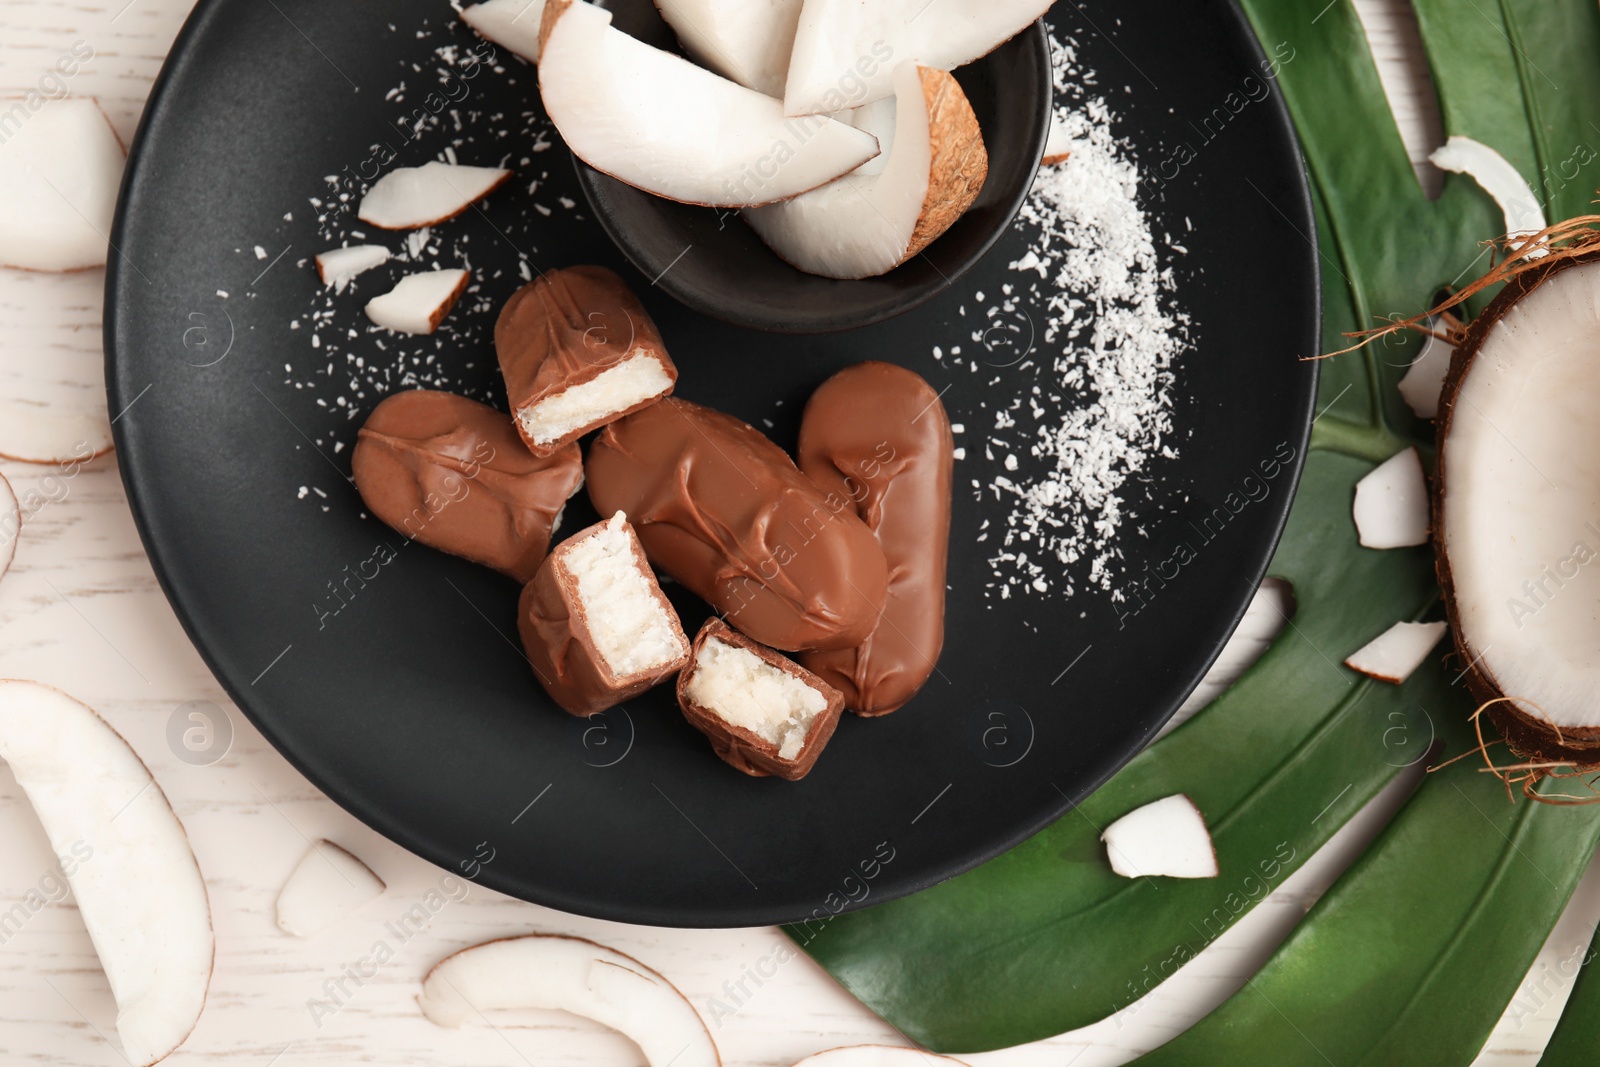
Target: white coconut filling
x=638, y=377
x=1522, y=499
x=747, y=691
x=631, y=630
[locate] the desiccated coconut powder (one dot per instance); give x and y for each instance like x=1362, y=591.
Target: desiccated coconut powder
x=1099, y=331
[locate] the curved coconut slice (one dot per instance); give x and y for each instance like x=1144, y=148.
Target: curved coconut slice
x=1424, y=379
x=1391, y=505
x=871, y=221
x=1395, y=653
x=326, y=885
x=410, y=197
x=140, y=891
x=1057, y=144
x=59, y=173
x=31, y=433
x=846, y=51
x=876, y=1056
x=10, y=525
x=573, y=975
x=511, y=24
x=746, y=41
x=1497, y=177
x=419, y=302
x=1517, y=487
x=338, y=267
x=658, y=122
x=1166, y=837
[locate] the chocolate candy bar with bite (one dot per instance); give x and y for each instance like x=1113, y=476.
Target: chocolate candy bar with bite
x=578, y=350
x=877, y=436
x=452, y=473
x=727, y=513
x=763, y=713
x=594, y=622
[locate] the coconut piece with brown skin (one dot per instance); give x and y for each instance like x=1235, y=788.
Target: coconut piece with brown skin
x=762, y=712
x=577, y=350
x=594, y=622
x=661, y=124
x=419, y=302
x=874, y=219
x=571, y=974
x=1517, y=511
x=407, y=198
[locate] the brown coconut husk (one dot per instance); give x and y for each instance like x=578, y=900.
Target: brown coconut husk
x=1543, y=748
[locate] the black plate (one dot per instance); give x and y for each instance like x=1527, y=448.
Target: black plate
x=402, y=694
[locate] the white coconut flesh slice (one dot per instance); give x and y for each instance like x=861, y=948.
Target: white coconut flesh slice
x=139, y=891
x=664, y=125
x=59, y=173
x=1057, y=144
x=338, y=267
x=1391, y=504
x=572, y=975
x=869, y=222
x=410, y=197
x=846, y=51
x=511, y=24
x=1395, y=653
x=1424, y=379
x=327, y=885
x=877, y=1056
x=10, y=525
x=1167, y=837
x=1518, y=486
x=747, y=41
x=1497, y=177
x=637, y=378
x=35, y=433
x=419, y=302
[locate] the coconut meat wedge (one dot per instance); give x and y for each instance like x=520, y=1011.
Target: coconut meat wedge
x=874, y=219
x=748, y=41
x=1517, y=499
x=846, y=51
x=136, y=881
x=511, y=24
x=664, y=125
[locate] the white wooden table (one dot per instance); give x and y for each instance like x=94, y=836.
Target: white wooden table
x=81, y=609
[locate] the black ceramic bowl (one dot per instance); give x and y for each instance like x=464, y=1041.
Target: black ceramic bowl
x=710, y=260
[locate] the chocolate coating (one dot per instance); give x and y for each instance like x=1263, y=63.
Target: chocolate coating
x=557, y=639
x=727, y=513
x=452, y=473
x=742, y=748
x=877, y=435
x=565, y=328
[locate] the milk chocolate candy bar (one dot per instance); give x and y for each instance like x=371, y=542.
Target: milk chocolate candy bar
x=452, y=473
x=877, y=436
x=727, y=513
x=594, y=623
x=578, y=350
x=762, y=712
